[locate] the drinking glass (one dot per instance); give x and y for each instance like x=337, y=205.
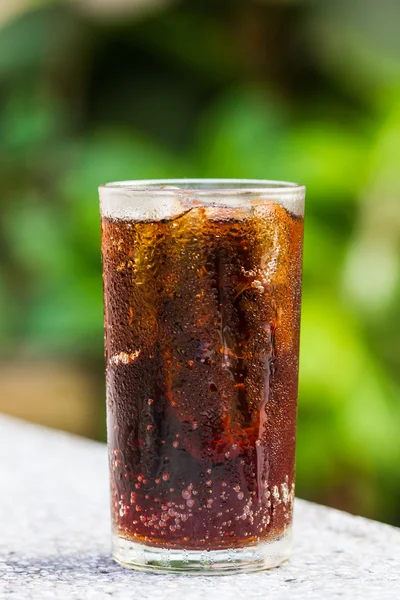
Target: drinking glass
x=202, y=294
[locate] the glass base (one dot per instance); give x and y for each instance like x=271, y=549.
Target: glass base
x=264, y=555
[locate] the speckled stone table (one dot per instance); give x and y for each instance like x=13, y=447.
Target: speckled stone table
x=54, y=537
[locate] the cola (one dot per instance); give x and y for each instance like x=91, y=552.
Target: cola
x=202, y=318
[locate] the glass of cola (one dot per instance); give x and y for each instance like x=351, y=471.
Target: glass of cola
x=202, y=295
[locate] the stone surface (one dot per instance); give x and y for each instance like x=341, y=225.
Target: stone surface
x=55, y=535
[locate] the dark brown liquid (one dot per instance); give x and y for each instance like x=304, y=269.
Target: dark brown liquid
x=202, y=331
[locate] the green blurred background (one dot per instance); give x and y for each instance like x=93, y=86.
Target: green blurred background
x=303, y=90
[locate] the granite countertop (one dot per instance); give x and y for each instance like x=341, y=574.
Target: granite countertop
x=55, y=537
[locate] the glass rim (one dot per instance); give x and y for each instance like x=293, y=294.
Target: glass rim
x=204, y=187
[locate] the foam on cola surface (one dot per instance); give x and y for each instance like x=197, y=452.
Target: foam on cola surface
x=202, y=373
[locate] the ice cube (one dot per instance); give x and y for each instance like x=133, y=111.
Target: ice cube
x=273, y=227
x=235, y=212
x=147, y=206
x=293, y=204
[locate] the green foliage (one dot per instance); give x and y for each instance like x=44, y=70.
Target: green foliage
x=305, y=91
